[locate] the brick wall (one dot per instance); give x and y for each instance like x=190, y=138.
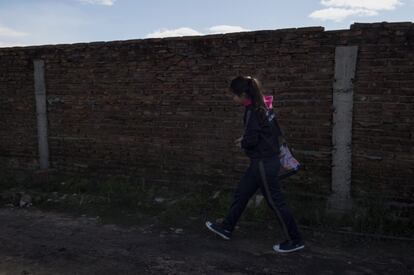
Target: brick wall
x=383, y=128
x=160, y=108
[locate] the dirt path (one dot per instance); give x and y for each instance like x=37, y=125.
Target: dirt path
x=40, y=242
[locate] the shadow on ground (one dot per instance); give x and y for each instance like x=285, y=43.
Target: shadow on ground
x=117, y=226
x=35, y=241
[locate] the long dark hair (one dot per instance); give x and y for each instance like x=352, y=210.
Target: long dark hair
x=253, y=89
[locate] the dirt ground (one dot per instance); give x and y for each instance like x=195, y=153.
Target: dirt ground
x=35, y=241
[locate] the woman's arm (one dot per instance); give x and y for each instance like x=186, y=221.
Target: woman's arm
x=251, y=133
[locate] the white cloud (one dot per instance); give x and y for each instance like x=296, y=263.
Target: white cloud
x=188, y=31
x=337, y=14
x=226, y=29
x=175, y=32
x=98, y=2
x=338, y=10
x=11, y=44
x=363, y=4
x=5, y=31
x=42, y=23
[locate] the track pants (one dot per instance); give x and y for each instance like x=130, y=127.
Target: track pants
x=263, y=174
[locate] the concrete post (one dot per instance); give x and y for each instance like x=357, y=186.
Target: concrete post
x=41, y=114
x=345, y=66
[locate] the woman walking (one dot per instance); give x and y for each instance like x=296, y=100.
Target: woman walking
x=261, y=145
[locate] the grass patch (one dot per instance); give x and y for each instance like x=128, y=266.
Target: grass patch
x=131, y=200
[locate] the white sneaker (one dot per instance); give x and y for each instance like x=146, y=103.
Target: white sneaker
x=288, y=246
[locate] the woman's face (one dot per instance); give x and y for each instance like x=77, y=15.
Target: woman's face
x=239, y=99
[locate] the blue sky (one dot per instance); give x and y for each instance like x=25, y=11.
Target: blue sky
x=37, y=22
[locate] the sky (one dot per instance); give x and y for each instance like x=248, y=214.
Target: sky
x=39, y=22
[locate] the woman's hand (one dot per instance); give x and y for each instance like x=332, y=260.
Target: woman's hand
x=237, y=142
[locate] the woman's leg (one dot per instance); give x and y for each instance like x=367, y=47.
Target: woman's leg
x=246, y=188
x=270, y=187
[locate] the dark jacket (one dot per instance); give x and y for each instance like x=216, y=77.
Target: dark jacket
x=260, y=138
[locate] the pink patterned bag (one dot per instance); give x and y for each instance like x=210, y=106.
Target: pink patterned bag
x=289, y=165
